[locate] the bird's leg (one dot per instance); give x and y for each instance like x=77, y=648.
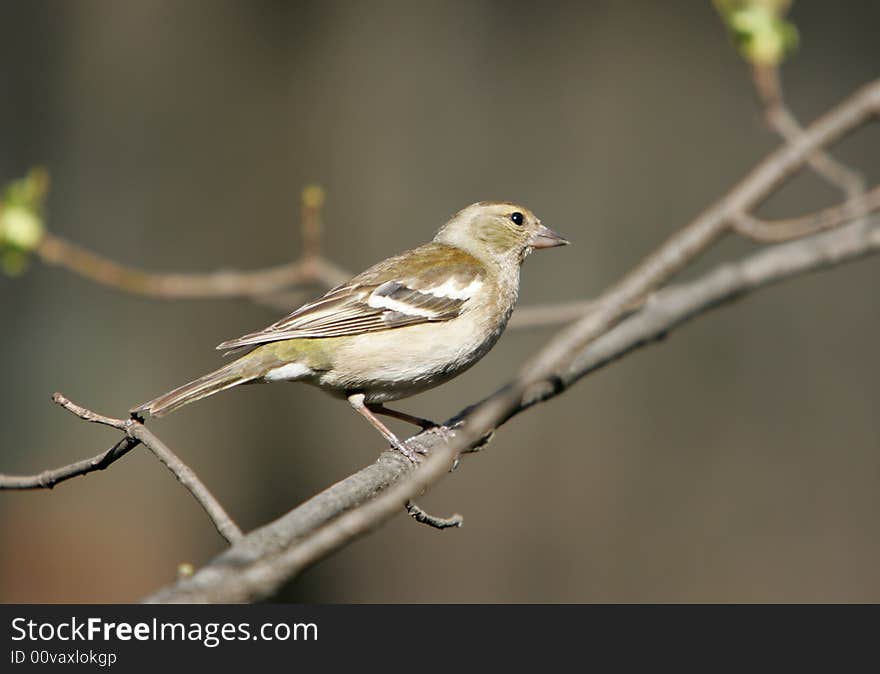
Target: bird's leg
x=357, y=402
x=424, y=424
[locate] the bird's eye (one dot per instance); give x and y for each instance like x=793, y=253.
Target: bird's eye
x=517, y=218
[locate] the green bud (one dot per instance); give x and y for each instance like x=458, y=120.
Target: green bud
x=29, y=191
x=313, y=196
x=759, y=28
x=21, y=219
x=20, y=228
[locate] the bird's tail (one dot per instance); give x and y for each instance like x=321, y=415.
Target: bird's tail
x=214, y=382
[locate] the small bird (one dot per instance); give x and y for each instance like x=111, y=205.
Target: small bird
x=403, y=326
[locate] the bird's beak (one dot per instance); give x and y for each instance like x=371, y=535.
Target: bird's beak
x=547, y=238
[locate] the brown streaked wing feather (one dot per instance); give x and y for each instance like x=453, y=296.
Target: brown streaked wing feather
x=345, y=310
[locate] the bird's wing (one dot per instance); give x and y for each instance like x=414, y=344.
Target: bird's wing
x=428, y=284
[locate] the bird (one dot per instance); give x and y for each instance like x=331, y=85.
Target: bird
x=405, y=325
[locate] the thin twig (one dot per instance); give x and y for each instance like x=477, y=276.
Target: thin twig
x=89, y=415
x=539, y=316
x=54, y=250
x=135, y=433
x=768, y=84
x=184, y=474
x=777, y=231
x=423, y=517
x=542, y=315
x=49, y=478
x=312, y=225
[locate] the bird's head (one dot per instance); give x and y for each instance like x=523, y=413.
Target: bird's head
x=498, y=230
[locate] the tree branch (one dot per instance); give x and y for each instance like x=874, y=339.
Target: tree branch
x=423, y=517
x=776, y=231
x=767, y=80
x=768, y=84
x=184, y=474
x=135, y=433
x=49, y=478
x=54, y=250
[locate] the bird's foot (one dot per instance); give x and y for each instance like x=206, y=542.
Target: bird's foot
x=446, y=434
x=414, y=455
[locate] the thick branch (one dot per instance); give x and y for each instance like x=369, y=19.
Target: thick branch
x=258, y=565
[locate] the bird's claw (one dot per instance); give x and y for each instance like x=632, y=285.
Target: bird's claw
x=411, y=454
x=416, y=453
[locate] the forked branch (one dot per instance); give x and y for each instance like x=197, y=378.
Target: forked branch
x=135, y=433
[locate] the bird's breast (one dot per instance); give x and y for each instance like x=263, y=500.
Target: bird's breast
x=398, y=363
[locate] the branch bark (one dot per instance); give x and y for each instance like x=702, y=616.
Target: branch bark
x=56, y=251
x=776, y=231
x=49, y=478
x=423, y=517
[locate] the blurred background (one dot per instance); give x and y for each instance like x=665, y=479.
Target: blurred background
x=737, y=461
